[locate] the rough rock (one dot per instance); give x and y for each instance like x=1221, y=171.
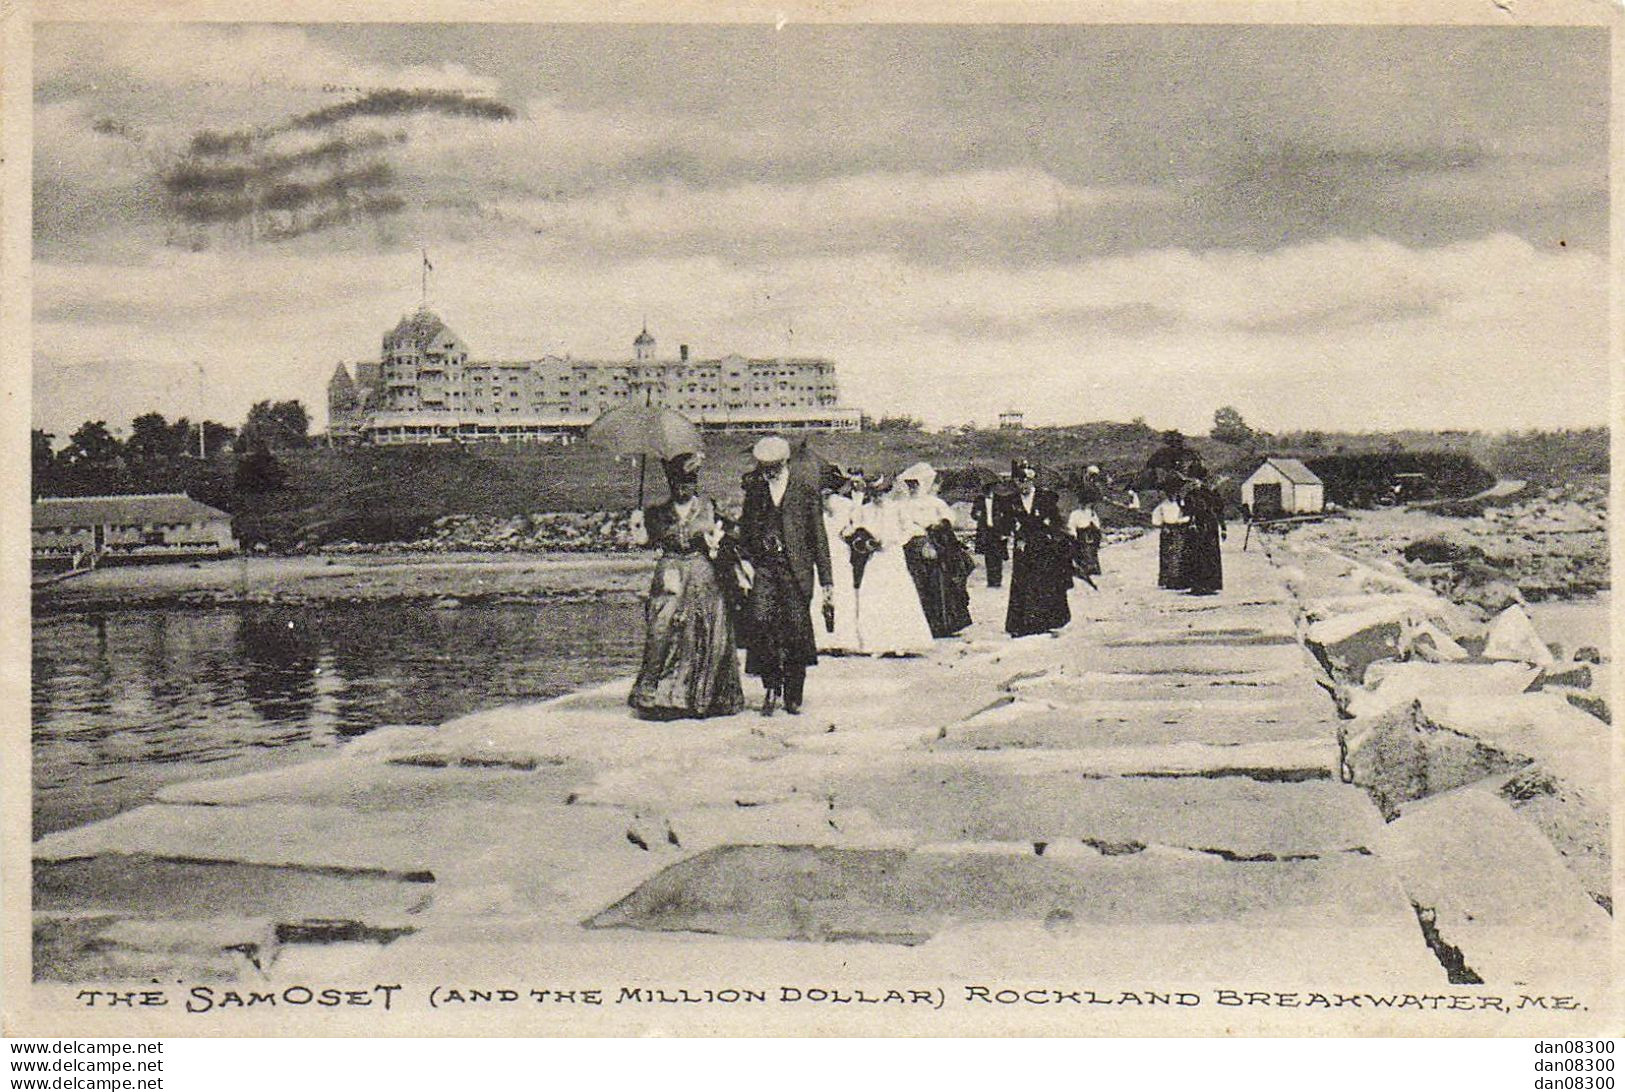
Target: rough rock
x=1495, y=898
x=1392, y=683
x=1404, y=755
x=1514, y=637
x=1346, y=645
x=1427, y=642
x=1574, y=675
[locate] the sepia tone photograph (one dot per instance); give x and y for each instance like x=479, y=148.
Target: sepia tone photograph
x=976, y=526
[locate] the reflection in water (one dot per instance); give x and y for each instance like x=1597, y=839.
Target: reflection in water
x=126, y=701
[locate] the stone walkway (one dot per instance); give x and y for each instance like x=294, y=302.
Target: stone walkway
x=1148, y=801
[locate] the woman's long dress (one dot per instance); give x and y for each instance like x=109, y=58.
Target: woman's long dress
x=890, y=618
x=939, y=579
x=690, y=667
x=1041, y=571
x=1085, y=527
x=1203, y=567
x=1170, y=545
x=840, y=519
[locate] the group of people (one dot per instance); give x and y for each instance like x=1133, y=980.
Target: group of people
x=826, y=560
x=820, y=560
x=1189, y=519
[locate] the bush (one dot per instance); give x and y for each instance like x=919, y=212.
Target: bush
x=1359, y=480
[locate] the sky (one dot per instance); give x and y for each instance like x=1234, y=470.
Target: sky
x=1325, y=227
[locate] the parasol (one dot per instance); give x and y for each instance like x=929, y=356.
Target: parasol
x=644, y=431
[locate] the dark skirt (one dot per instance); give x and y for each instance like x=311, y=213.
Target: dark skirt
x=1171, y=558
x=940, y=581
x=1086, y=556
x=690, y=668
x=1040, y=578
x=781, y=630
x=1202, y=566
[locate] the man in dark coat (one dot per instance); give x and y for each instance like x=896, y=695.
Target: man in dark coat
x=781, y=531
x=992, y=533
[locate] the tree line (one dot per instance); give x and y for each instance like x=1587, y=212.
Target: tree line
x=159, y=455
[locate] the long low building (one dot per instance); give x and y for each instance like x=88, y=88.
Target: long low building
x=134, y=526
x=424, y=389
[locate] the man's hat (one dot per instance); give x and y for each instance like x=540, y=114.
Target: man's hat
x=771, y=449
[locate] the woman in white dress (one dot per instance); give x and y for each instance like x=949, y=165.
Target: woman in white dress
x=891, y=621
x=841, y=512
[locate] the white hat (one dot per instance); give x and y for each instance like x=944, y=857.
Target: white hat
x=771, y=449
x=1093, y=470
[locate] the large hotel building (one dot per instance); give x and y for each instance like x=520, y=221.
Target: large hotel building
x=424, y=389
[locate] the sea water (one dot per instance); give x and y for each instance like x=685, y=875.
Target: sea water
x=126, y=701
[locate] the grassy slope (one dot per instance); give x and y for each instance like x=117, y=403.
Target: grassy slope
x=384, y=494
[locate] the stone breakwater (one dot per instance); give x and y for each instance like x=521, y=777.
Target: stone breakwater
x=1485, y=751
x=1152, y=796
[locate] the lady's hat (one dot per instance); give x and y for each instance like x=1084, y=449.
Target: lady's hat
x=1092, y=470
x=878, y=482
x=683, y=468
x=771, y=449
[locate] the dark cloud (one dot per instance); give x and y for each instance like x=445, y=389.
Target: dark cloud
x=396, y=102
x=1345, y=315
x=241, y=178
x=1119, y=320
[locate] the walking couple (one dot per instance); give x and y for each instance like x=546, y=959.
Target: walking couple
x=1190, y=519
x=690, y=665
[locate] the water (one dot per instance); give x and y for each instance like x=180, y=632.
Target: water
x=1575, y=623
x=126, y=701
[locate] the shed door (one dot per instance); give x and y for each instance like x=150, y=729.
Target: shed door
x=1267, y=500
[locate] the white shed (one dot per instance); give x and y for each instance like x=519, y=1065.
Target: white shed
x=1283, y=487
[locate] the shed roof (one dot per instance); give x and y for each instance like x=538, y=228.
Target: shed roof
x=1293, y=470
x=123, y=508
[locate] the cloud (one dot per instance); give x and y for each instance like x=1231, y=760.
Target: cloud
x=1346, y=333
x=227, y=59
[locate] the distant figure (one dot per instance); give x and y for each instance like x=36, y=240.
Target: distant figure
x=841, y=512
x=938, y=564
x=891, y=621
x=690, y=668
x=991, y=540
x=1170, y=518
x=1164, y=471
x=1041, y=565
x=781, y=533
x=1084, y=527
x=1202, y=565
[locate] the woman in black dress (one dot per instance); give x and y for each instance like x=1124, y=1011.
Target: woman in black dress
x=1041, y=569
x=1203, y=567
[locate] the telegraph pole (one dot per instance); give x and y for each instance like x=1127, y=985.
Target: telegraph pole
x=202, y=437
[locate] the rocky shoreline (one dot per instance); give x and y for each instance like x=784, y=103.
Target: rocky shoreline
x=1534, y=545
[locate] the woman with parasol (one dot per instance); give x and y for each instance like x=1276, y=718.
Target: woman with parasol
x=690, y=668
